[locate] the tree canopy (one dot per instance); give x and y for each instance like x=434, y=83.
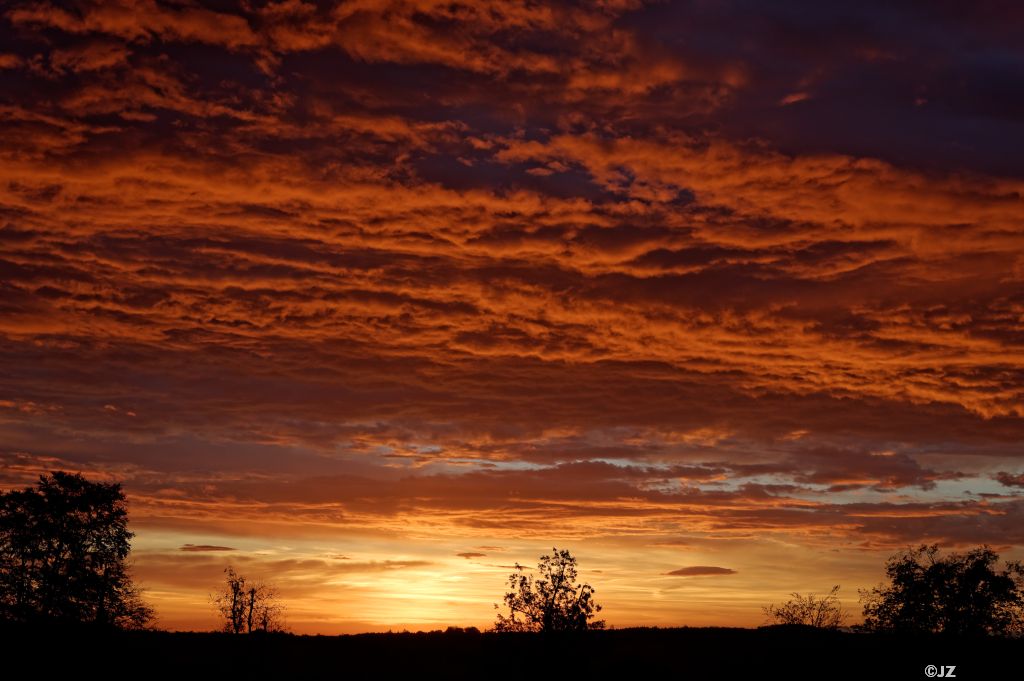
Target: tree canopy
x=960, y=593
x=64, y=546
x=551, y=600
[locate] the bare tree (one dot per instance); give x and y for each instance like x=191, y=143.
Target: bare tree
x=248, y=606
x=824, y=612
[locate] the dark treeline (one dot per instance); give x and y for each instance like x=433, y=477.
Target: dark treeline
x=707, y=653
x=64, y=545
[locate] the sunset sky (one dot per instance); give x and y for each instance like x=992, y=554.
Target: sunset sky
x=373, y=300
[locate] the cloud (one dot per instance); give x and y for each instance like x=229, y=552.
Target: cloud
x=379, y=566
x=140, y=19
x=700, y=570
x=1010, y=480
x=491, y=272
x=470, y=554
x=204, y=548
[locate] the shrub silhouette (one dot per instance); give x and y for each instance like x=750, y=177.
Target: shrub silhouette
x=551, y=601
x=824, y=612
x=246, y=606
x=957, y=594
x=64, y=546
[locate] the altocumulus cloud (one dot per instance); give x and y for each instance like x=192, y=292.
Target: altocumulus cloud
x=460, y=275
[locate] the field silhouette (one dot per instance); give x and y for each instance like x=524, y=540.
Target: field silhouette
x=783, y=652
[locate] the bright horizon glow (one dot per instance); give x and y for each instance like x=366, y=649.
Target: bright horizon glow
x=455, y=591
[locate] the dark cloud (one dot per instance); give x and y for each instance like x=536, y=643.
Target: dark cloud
x=204, y=548
x=699, y=570
x=1010, y=480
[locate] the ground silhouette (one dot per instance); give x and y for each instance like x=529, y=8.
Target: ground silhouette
x=783, y=652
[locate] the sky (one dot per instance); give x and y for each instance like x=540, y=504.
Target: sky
x=373, y=300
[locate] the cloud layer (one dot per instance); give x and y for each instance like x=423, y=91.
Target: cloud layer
x=352, y=279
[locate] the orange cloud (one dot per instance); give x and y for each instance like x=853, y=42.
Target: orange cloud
x=349, y=289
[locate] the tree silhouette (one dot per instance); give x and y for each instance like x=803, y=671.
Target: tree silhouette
x=551, y=601
x=246, y=606
x=958, y=594
x=824, y=612
x=64, y=546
